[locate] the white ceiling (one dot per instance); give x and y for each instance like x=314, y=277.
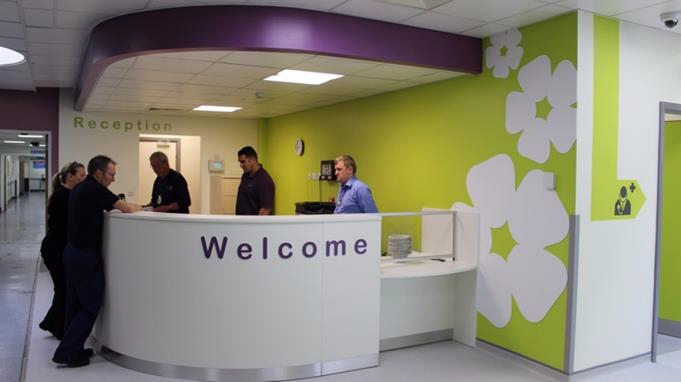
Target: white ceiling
x=53, y=35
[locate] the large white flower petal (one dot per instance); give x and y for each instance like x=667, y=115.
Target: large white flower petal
x=534, y=142
x=537, y=217
x=520, y=112
x=562, y=89
x=501, y=69
x=494, y=290
x=537, y=279
x=491, y=185
x=512, y=37
x=498, y=39
x=514, y=55
x=534, y=78
x=492, y=55
x=561, y=125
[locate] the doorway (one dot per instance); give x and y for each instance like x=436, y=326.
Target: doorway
x=23, y=164
x=667, y=306
x=147, y=146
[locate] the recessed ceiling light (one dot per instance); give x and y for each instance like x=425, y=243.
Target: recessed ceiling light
x=221, y=109
x=41, y=145
x=30, y=136
x=10, y=57
x=303, y=77
x=21, y=142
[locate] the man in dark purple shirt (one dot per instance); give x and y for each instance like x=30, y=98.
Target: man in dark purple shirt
x=256, y=190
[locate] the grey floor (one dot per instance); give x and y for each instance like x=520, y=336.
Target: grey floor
x=22, y=227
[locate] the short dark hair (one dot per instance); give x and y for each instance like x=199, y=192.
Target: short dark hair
x=159, y=156
x=348, y=161
x=249, y=152
x=100, y=162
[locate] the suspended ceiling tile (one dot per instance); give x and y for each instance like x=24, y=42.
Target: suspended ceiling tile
x=394, y=72
x=53, y=69
x=153, y=75
x=363, y=82
x=13, y=43
x=331, y=88
x=269, y=59
x=610, y=7
x=101, y=6
x=485, y=30
x=276, y=86
x=43, y=18
x=233, y=81
x=244, y=71
x=650, y=16
x=250, y=93
x=442, y=22
x=104, y=89
x=108, y=82
x=151, y=85
x=201, y=89
x=136, y=99
x=127, y=105
x=334, y=65
x=319, y=5
x=209, y=56
x=114, y=72
x=55, y=35
x=170, y=64
x=39, y=4
x=377, y=10
x=9, y=11
x=71, y=61
x=78, y=20
x=14, y=75
x=487, y=10
x=535, y=15
x=125, y=63
x=13, y=30
x=440, y=75
x=55, y=49
x=139, y=92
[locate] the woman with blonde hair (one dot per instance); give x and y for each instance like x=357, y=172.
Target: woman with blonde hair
x=53, y=244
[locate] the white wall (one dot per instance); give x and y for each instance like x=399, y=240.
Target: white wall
x=219, y=136
x=616, y=258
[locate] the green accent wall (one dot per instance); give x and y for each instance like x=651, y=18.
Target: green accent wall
x=670, y=258
x=414, y=148
x=605, y=185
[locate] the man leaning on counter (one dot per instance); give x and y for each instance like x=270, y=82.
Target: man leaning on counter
x=354, y=196
x=170, y=192
x=256, y=190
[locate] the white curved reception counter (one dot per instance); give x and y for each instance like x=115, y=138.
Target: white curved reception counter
x=250, y=298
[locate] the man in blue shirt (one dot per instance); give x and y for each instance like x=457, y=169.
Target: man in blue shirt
x=354, y=196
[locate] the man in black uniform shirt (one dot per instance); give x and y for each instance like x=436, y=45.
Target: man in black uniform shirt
x=256, y=190
x=83, y=258
x=170, y=193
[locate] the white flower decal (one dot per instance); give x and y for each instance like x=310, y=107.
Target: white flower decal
x=536, y=219
x=560, y=125
x=502, y=61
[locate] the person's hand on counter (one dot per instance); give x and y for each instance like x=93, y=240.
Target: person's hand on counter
x=127, y=207
x=167, y=207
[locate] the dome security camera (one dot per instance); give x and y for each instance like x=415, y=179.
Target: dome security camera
x=670, y=19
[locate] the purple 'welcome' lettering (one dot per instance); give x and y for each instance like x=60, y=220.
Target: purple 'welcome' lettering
x=208, y=249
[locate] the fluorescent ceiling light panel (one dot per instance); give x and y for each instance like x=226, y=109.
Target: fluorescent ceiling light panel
x=22, y=142
x=303, y=77
x=29, y=136
x=10, y=57
x=41, y=145
x=221, y=109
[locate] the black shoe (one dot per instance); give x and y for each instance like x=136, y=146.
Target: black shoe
x=48, y=329
x=88, y=352
x=78, y=361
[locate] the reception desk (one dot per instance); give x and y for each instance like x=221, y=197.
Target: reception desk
x=253, y=298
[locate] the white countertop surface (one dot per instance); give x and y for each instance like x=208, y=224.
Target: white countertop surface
x=423, y=266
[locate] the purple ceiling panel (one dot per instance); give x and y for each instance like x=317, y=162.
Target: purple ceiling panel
x=273, y=29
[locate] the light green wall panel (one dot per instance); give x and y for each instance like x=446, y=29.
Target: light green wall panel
x=416, y=147
x=670, y=258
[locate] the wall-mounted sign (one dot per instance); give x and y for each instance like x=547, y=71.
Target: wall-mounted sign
x=39, y=164
x=124, y=126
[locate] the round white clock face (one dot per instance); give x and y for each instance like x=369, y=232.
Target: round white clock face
x=300, y=147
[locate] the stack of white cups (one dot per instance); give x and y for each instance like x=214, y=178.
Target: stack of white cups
x=399, y=246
